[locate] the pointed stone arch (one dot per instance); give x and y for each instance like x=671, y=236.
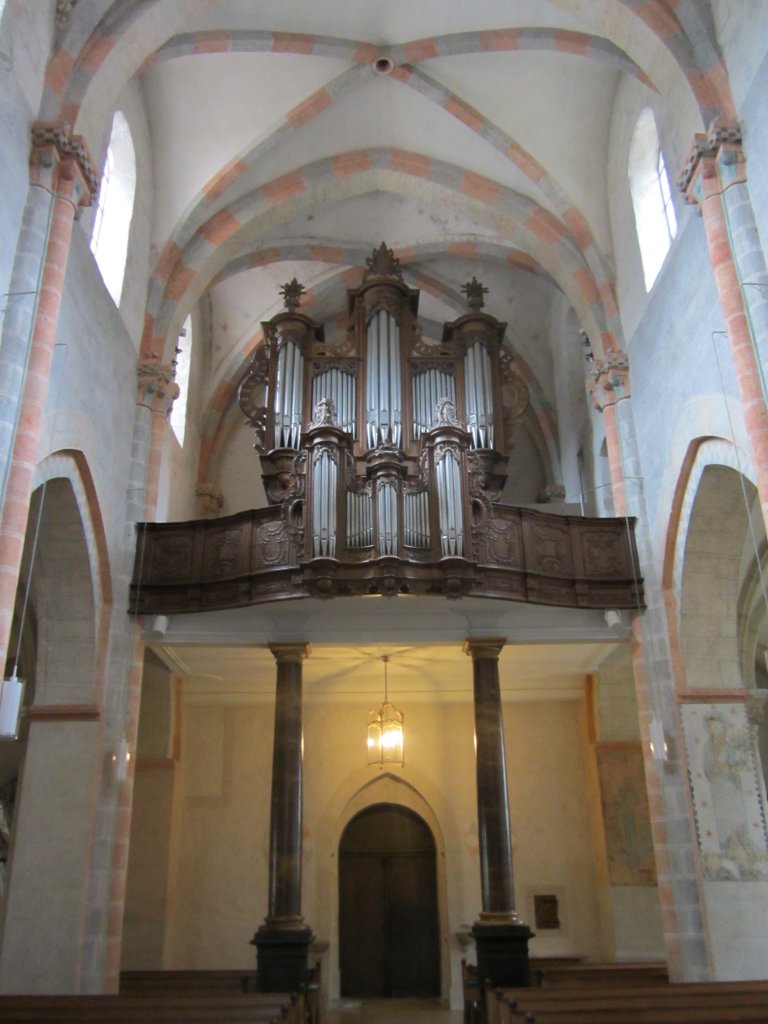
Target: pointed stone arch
x=67, y=582
x=406, y=789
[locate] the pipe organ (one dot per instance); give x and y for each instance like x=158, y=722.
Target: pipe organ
x=384, y=454
x=380, y=440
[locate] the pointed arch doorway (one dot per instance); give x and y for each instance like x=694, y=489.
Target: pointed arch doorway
x=389, y=943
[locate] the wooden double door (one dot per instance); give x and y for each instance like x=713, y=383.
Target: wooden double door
x=388, y=921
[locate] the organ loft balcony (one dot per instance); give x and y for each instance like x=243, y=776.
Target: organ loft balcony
x=384, y=456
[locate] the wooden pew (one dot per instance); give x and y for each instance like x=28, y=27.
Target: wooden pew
x=211, y=982
x=577, y=974
x=312, y=995
x=710, y=1002
x=472, y=992
x=251, y=1008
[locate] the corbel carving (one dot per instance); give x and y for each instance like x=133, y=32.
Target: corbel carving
x=63, y=10
x=210, y=500
x=157, y=386
x=754, y=704
x=552, y=492
x=61, y=162
x=609, y=381
x=715, y=156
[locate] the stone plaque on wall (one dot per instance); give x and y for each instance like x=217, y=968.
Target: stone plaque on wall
x=727, y=791
x=625, y=813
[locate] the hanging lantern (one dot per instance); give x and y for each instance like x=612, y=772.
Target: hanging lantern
x=385, y=730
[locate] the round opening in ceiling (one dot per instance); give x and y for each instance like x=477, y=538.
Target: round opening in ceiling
x=383, y=65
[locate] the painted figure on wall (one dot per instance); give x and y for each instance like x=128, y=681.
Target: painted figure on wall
x=727, y=794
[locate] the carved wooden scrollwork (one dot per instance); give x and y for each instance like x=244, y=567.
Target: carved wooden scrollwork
x=550, y=550
x=272, y=544
x=504, y=543
x=521, y=555
x=251, y=397
x=223, y=552
x=171, y=557
x=603, y=554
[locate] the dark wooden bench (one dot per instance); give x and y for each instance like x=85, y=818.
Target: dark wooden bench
x=577, y=974
x=239, y=1008
x=707, y=1002
x=184, y=982
x=212, y=982
x=472, y=992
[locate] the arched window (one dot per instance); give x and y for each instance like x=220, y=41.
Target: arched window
x=183, y=363
x=112, y=223
x=651, y=196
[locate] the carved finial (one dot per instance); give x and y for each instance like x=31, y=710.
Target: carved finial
x=292, y=292
x=383, y=263
x=474, y=292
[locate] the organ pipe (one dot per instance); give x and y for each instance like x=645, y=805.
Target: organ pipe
x=324, y=488
x=289, y=394
x=383, y=391
x=386, y=506
x=428, y=386
x=415, y=519
x=398, y=411
x=448, y=474
x=359, y=520
x=479, y=395
x=339, y=386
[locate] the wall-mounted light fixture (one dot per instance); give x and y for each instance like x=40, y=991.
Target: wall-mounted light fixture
x=121, y=760
x=385, y=730
x=659, y=747
x=612, y=618
x=11, y=697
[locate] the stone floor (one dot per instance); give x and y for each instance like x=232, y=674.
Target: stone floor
x=393, y=1011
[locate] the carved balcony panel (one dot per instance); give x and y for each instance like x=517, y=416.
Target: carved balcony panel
x=521, y=555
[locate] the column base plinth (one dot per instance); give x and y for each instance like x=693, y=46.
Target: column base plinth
x=282, y=957
x=502, y=952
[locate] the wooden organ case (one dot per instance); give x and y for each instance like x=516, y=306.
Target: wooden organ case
x=384, y=456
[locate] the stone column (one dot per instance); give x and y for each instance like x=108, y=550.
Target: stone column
x=501, y=939
x=715, y=178
x=156, y=392
x=61, y=171
x=656, y=683
x=283, y=940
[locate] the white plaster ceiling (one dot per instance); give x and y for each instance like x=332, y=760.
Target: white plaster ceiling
x=540, y=128
x=416, y=672
x=225, y=655
x=554, y=106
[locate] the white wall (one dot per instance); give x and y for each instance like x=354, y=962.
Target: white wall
x=223, y=844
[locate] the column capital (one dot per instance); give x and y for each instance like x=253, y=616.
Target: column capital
x=754, y=703
x=157, y=386
x=609, y=381
x=290, y=653
x=716, y=159
x=485, y=648
x=62, y=162
x=210, y=500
